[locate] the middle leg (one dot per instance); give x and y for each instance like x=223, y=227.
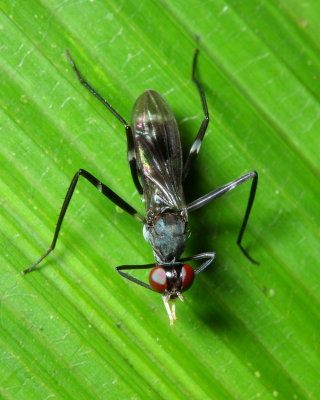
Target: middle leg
x=104, y=189
x=206, y=199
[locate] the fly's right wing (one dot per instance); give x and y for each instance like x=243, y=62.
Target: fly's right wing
x=158, y=152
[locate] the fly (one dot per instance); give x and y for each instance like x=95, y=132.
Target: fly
x=157, y=169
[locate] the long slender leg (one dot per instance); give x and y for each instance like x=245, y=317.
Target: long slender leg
x=202, y=201
x=197, y=143
x=131, y=278
x=130, y=150
x=209, y=257
x=103, y=189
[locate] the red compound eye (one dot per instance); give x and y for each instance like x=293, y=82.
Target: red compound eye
x=187, y=275
x=158, y=279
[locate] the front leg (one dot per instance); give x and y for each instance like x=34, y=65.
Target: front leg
x=131, y=278
x=209, y=257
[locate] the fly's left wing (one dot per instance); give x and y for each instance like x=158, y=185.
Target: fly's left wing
x=158, y=152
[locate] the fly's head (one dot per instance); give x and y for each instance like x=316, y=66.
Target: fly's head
x=166, y=232
x=171, y=280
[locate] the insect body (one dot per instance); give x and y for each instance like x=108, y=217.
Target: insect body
x=159, y=164
x=158, y=171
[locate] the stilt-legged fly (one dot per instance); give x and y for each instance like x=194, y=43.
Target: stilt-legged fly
x=157, y=169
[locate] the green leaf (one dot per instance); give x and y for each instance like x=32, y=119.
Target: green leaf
x=74, y=329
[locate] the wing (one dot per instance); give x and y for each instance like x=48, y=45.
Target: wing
x=158, y=152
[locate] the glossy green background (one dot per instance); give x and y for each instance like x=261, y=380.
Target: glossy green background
x=75, y=328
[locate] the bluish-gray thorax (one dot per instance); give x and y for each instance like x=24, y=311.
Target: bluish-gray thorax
x=167, y=235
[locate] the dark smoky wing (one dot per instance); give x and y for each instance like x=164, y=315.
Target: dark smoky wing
x=158, y=151
x=158, y=169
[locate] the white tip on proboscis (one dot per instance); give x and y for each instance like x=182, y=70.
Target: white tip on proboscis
x=171, y=311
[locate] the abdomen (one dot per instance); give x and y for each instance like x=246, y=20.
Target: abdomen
x=158, y=152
